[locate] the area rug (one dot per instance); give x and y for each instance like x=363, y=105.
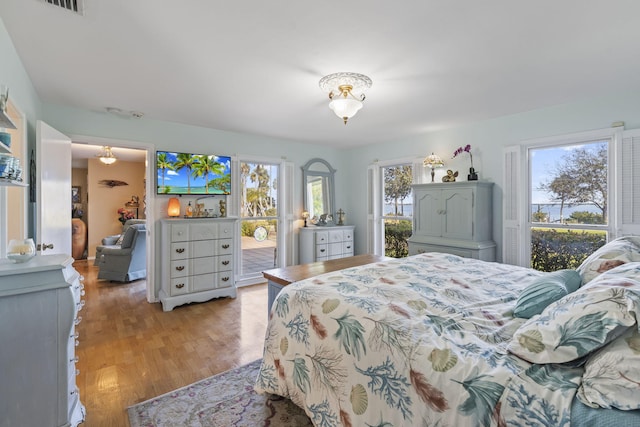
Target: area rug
x=224, y=400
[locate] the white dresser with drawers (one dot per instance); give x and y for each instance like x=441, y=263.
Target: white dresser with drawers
x=325, y=243
x=39, y=304
x=197, y=260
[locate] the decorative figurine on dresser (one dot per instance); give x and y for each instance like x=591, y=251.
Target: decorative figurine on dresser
x=39, y=304
x=199, y=260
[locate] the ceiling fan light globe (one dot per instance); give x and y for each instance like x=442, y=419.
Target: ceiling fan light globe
x=345, y=107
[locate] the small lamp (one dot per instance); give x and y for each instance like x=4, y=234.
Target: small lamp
x=173, y=209
x=305, y=216
x=433, y=161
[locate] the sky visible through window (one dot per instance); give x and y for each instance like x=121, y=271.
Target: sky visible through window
x=543, y=164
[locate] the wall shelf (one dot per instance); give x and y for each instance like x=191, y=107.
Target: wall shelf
x=5, y=121
x=12, y=183
x=9, y=182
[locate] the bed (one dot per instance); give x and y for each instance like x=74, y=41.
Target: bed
x=432, y=340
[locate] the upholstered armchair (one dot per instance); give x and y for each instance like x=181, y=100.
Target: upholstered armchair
x=128, y=261
x=115, y=240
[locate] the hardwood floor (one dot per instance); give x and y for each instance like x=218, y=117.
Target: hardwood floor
x=131, y=351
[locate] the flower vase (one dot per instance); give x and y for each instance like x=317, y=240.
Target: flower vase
x=473, y=176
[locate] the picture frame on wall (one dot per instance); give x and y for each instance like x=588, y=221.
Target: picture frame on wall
x=75, y=194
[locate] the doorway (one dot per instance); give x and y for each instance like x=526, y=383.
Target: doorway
x=105, y=195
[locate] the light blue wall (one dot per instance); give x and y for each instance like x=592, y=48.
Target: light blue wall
x=15, y=77
x=21, y=92
x=174, y=136
x=487, y=139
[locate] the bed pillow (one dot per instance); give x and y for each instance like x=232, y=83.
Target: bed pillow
x=544, y=290
x=579, y=323
x=612, y=375
x=616, y=252
x=629, y=270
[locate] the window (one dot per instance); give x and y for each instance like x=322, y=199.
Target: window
x=602, y=202
x=569, y=203
x=397, y=211
x=259, y=215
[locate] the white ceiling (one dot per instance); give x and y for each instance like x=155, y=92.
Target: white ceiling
x=253, y=66
x=80, y=153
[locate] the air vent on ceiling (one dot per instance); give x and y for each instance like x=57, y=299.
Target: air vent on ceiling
x=71, y=5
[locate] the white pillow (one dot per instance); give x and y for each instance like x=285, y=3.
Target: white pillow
x=613, y=254
x=612, y=375
x=579, y=323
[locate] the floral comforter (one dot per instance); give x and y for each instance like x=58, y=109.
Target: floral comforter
x=419, y=341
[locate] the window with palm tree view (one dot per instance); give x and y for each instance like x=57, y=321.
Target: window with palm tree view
x=569, y=193
x=258, y=217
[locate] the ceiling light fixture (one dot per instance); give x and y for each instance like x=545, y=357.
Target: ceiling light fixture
x=124, y=114
x=106, y=156
x=346, y=91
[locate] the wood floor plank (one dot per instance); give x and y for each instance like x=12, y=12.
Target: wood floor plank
x=131, y=351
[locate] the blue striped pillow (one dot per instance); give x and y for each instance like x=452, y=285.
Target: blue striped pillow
x=544, y=290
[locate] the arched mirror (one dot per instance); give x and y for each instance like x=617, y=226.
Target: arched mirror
x=318, y=193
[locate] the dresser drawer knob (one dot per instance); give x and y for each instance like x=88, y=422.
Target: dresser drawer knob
x=348, y=247
x=225, y=262
x=180, y=285
x=180, y=250
x=180, y=267
x=225, y=246
x=322, y=250
x=225, y=279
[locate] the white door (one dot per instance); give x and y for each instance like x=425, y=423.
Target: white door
x=53, y=189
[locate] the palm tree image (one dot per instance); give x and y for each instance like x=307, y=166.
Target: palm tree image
x=163, y=163
x=204, y=166
x=185, y=161
x=193, y=174
x=222, y=183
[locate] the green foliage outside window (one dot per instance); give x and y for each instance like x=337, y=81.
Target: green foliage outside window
x=553, y=250
x=247, y=228
x=396, y=233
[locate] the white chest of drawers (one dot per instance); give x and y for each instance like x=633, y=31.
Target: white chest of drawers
x=39, y=305
x=197, y=260
x=325, y=243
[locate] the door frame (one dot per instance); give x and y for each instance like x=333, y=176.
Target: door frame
x=150, y=200
x=283, y=227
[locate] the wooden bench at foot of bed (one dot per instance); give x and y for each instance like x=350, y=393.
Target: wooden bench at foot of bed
x=278, y=278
